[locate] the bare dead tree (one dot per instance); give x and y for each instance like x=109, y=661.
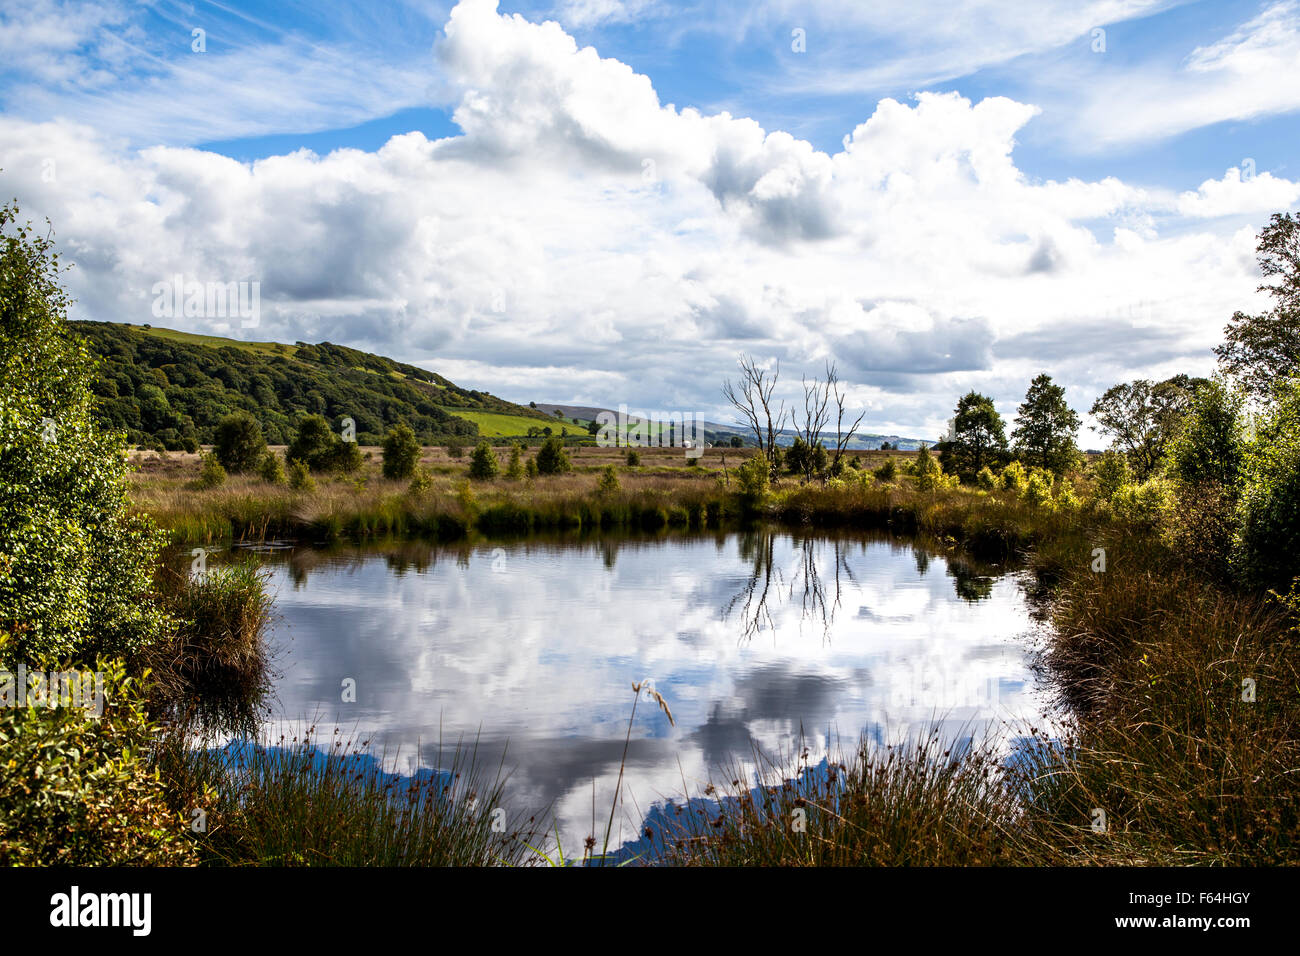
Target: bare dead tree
x=842, y=437
x=816, y=398
x=752, y=397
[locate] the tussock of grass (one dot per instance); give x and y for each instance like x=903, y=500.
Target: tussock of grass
x=308, y=801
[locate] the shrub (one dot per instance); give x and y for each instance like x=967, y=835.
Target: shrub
x=633, y=458
x=1109, y=474
x=1014, y=477
x=551, y=458
x=1038, y=489
x=530, y=468
x=455, y=448
x=401, y=453
x=753, y=478
x=515, y=468
x=888, y=471
x=608, y=481
x=1268, y=542
x=421, y=482
x=271, y=468
x=484, y=465
x=211, y=474
x=344, y=458
x=313, y=443
x=239, y=444
x=986, y=479
x=300, y=478
x=1146, y=505
x=929, y=474
x=78, y=790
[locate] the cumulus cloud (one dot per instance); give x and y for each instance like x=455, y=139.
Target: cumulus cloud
x=581, y=241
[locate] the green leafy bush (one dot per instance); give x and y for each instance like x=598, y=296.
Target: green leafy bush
x=78, y=790
x=633, y=458
x=551, y=457
x=271, y=468
x=608, y=481
x=753, y=478
x=986, y=479
x=1014, y=477
x=888, y=471
x=515, y=467
x=300, y=478
x=401, y=453
x=1109, y=475
x=211, y=474
x=484, y=465
x=239, y=443
x=1267, y=550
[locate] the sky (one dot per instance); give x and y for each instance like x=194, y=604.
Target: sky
x=604, y=202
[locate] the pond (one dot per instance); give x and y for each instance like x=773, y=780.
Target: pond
x=754, y=639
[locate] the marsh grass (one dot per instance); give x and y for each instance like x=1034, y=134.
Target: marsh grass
x=212, y=668
x=307, y=801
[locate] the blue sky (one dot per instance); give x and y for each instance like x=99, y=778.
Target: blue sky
x=1069, y=187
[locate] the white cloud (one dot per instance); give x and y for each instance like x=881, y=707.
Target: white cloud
x=535, y=257
x=1252, y=73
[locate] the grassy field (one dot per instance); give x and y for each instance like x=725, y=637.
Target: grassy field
x=218, y=341
x=498, y=425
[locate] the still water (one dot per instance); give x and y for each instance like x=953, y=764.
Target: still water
x=755, y=639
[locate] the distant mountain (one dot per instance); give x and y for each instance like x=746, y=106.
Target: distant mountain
x=165, y=387
x=715, y=431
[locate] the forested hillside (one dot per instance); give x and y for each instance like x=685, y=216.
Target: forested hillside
x=172, y=388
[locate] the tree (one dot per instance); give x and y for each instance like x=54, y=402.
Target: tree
x=551, y=458
x=1142, y=416
x=1046, y=427
x=1269, y=540
x=1261, y=350
x=515, y=469
x=239, y=446
x=752, y=397
x=483, y=463
x=978, y=436
x=1210, y=445
x=401, y=452
x=313, y=443
x=78, y=563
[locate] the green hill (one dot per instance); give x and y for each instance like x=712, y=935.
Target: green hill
x=170, y=388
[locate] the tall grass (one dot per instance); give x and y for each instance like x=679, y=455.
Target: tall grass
x=312, y=802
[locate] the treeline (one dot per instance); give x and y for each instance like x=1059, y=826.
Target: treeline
x=171, y=394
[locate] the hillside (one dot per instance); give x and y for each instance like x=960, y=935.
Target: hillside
x=165, y=387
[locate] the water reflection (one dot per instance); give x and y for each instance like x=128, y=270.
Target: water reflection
x=754, y=638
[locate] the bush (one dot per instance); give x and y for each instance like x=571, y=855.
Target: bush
x=1144, y=506
x=484, y=465
x=239, y=444
x=78, y=790
x=986, y=479
x=551, y=458
x=888, y=471
x=1014, y=477
x=530, y=468
x=1268, y=543
x=77, y=562
x=1109, y=474
x=344, y=458
x=421, y=482
x=300, y=478
x=455, y=448
x=211, y=474
x=401, y=453
x=633, y=458
x=313, y=443
x=1038, y=489
x=515, y=468
x=608, y=481
x=753, y=478
x=271, y=468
